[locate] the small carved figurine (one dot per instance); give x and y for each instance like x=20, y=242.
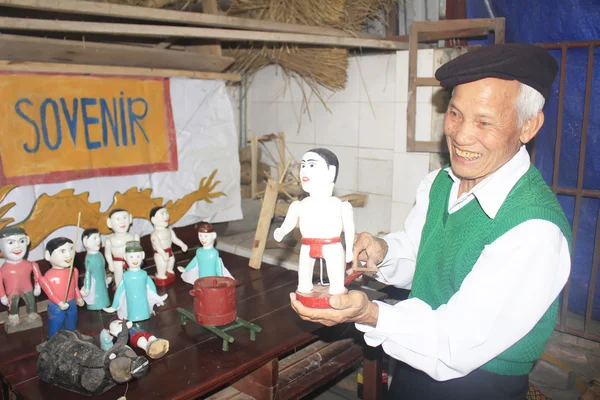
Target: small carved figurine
x=322, y=218
x=136, y=295
x=119, y=221
x=61, y=314
x=15, y=280
x=95, y=282
x=155, y=348
x=71, y=362
x=206, y=262
x=162, y=239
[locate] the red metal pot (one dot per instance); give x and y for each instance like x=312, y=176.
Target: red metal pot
x=214, y=300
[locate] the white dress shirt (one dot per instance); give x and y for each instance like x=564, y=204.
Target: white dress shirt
x=511, y=286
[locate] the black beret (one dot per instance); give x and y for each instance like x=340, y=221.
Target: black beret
x=526, y=63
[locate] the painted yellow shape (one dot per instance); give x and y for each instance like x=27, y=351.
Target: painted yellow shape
x=50, y=213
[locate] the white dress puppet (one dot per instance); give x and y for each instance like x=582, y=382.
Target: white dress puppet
x=206, y=261
x=136, y=295
x=322, y=218
x=114, y=249
x=162, y=239
x=95, y=282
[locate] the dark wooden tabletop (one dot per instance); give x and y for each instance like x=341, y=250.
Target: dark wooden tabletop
x=195, y=364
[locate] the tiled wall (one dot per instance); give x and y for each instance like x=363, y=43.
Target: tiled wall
x=365, y=125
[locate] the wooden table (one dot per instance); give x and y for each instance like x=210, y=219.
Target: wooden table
x=195, y=365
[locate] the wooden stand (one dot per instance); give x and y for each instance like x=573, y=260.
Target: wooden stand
x=165, y=282
x=221, y=331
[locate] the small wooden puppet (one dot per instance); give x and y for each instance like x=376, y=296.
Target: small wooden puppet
x=206, y=262
x=15, y=280
x=154, y=347
x=162, y=239
x=322, y=218
x=136, y=295
x=119, y=221
x=95, y=282
x=61, y=314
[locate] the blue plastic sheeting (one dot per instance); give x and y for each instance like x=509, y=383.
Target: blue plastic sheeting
x=556, y=21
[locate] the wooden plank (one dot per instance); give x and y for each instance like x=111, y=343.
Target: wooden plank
x=372, y=389
x=254, y=166
x=454, y=34
x=430, y=147
x=411, y=108
x=161, y=15
x=427, y=82
x=7, y=65
x=141, y=30
x=262, y=383
x=450, y=25
x=264, y=223
x=211, y=7
x=26, y=48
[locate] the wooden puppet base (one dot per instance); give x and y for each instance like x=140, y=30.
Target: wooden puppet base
x=165, y=282
x=318, y=298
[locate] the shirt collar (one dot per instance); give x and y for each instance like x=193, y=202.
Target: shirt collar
x=493, y=190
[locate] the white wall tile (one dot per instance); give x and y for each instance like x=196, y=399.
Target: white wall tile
x=297, y=150
x=399, y=213
x=348, y=157
x=409, y=171
x=375, y=176
x=423, y=125
x=425, y=63
x=375, y=216
x=376, y=125
x=424, y=94
x=297, y=121
x=338, y=127
x=376, y=154
x=400, y=128
x=293, y=90
x=266, y=85
x=378, y=75
x=262, y=118
x=402, y=75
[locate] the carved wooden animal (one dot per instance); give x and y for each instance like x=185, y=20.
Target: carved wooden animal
x=72, y=363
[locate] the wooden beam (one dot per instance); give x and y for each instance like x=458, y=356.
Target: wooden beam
x=154, y=14
x=426, y=82
x=262, y=383
x=27, y=48
x=211, y=7
x=111, y=70
x=28, y=24
x=264, y=224
x=455, y=34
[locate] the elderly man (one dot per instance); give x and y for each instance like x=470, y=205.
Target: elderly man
x=485, y=250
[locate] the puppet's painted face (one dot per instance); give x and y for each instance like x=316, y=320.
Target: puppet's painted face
x=116, y=326
x=207, y=239
x=61, y=257
x=14, y=247
x=161, y=218
x=314, y=172
x=134, y=260
x=92, y=242
x=119, y=222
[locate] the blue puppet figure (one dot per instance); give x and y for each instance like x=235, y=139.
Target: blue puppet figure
x=136, y=294
x=95, y=283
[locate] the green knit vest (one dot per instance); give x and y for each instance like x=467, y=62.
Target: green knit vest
x=452, y=243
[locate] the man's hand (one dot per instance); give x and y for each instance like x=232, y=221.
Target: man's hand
x=278, y=234
x=84, y=292
x=181, y=269
x=80, y=302
x=109, y=310
x=4, y=300
x=37, y=290
x=370, y=249
x=184, y=247
x=63, y=306
x=352, y=307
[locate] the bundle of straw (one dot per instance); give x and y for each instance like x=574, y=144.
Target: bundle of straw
x=318, y=67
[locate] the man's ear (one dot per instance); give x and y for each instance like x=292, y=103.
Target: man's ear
x=47, y=255
x=531, y=127
x=109, y=223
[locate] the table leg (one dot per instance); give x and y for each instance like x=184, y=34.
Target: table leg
x=372, y=389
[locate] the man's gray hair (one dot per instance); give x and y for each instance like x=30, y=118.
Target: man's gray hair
x=528, y=103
